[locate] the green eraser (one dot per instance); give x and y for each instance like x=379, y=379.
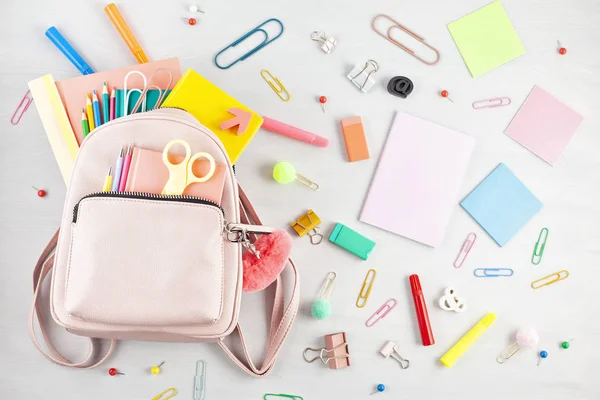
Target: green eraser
x=352, y=241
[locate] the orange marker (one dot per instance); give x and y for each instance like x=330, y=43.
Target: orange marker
x=356, y=141
x=117, y=19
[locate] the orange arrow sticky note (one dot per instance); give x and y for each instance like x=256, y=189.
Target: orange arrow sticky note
x=242, y=120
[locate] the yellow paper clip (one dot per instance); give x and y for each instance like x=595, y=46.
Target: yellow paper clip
x=308, y=224
x=166, y=395
x=545, y=281
x=368, y=284
x=272, y=81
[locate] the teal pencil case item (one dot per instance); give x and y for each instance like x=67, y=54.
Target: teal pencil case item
x=352, y=241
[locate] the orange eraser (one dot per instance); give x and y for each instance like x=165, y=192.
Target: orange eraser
x=356, y=141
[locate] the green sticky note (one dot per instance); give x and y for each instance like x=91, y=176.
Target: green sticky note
x=486, y=39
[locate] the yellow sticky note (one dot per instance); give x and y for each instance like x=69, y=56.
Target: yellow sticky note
x=210, y=105
x=486, y=39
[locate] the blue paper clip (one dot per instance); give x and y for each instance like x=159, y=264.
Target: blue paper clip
x=265, y=42
x=493, y=272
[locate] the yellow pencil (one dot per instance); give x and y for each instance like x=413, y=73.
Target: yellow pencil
x=90, y=112
x=108, y=181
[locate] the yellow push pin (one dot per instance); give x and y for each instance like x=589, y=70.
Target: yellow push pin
x=156, y=369
x=284, y=172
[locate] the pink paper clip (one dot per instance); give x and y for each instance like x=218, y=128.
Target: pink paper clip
x=491, y=103
x=379, y=314
x=21, y=108
x=465, y=249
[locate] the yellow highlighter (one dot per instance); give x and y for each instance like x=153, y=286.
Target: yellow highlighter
x=466, y=341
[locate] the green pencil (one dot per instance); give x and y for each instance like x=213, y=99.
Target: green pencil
x=85, y=127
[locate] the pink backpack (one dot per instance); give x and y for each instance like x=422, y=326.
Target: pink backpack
x=152, y=267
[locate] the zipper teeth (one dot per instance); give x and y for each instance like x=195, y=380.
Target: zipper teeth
x=150, y=196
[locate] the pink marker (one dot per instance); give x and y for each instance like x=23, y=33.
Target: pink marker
x=125, y=172
x=293, y=132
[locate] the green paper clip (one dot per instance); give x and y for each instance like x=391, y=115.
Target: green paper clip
x=287, y=396
x=538, y=250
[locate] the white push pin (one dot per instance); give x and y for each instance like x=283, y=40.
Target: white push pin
x=389, y=350
x=194, y=9
x=327, y=43
x=451, y=302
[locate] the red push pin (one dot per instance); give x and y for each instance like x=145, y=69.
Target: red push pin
x=323, y=100
x=113, y=372
x=561, y=50
x=40, y=192
x=190, y=21
x=444, y=93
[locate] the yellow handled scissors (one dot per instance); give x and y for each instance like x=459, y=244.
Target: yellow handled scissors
x=182, y=174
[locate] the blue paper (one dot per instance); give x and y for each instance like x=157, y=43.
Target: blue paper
x=501, y=204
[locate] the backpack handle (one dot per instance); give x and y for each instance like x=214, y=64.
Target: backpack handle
x=281, y=321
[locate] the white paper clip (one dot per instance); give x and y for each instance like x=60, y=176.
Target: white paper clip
x=389, y=350
x=327, y=43
x=361, y=76
x=200, y=380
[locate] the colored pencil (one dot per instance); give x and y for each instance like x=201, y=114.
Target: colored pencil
x=113, y=103
x=90, y=112
x=118, y=170
x=96, y=105
x=125, y=172
x=85, y=127
x=105, y=102
x=108, y=181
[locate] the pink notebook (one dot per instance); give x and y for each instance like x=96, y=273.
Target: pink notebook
x=418, y=179
x=148, y=174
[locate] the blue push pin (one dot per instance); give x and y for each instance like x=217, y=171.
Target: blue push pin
x=543, y=354
x=380, y=388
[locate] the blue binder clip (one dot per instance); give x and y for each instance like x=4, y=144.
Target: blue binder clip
x=265, y=42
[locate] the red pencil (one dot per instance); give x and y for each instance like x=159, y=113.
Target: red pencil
x=112, y=104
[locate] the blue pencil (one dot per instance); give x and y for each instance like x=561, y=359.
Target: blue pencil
x=117, y=176
x=96, y=107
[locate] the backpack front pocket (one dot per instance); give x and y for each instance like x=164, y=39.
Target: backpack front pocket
x=145, y=260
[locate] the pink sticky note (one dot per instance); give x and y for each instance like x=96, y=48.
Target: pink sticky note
x=544, y=125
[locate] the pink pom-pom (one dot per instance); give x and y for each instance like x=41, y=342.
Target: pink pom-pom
x=527, y=337
x=274, y=251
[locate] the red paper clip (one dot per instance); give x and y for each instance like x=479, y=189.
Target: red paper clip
x=491, y=103
x=21, y=108
x=380, y=313
x=465, y=249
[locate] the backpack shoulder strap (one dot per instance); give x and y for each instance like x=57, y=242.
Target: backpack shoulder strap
x=281, y=320
x=42, y=269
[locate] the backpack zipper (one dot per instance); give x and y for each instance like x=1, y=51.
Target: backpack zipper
x=147, y=196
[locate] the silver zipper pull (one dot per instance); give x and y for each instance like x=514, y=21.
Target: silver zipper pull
x=231, y=227
x=239, y=233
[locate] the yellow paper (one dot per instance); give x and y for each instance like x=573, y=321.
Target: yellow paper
x=209, y=105
x=486, y=39
x=56, y=123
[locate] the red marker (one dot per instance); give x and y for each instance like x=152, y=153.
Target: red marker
x=421, y=309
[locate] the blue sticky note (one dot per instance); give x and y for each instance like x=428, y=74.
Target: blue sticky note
x=501, y=204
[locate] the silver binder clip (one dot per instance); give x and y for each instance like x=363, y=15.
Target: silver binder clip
x=327, y=43
x=200, y=380
x=361, y=76
x=389, y=349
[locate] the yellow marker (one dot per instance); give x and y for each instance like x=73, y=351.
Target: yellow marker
x=108, y=181
x=467, y=341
